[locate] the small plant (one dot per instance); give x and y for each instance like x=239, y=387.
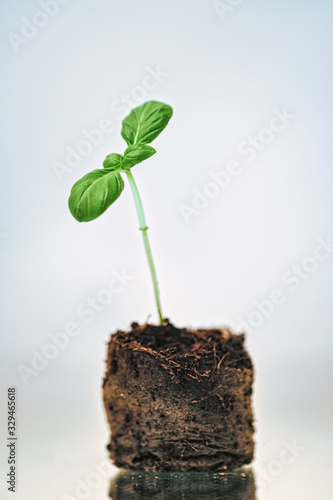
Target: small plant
x=97, y=190
x=176, y=399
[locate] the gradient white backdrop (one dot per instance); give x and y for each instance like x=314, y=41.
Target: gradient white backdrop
x=225, y=68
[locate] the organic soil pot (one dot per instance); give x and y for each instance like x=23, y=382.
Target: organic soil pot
x=179, y=399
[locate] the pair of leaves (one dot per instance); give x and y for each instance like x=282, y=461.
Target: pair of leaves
x=96, y=191
x=133, y=155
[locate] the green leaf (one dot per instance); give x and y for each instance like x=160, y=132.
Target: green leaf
x=136, y=154
x=146, y=122
x=94, y=193
x=113, y=162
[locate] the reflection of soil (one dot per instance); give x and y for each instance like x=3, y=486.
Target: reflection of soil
x=130, y=485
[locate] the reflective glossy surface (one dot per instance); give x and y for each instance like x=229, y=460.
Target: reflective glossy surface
x=130, y=485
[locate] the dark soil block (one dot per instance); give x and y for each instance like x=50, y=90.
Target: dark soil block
x=179, y=399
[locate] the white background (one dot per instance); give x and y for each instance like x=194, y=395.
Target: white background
x=224, y=73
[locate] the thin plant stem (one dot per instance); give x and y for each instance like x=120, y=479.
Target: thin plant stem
x=143, y=229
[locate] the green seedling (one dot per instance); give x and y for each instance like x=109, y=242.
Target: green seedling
x=96, y=191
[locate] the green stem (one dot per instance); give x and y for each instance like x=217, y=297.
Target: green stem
x=144, y=228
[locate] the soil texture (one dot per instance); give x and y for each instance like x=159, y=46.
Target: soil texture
x=179, y=399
